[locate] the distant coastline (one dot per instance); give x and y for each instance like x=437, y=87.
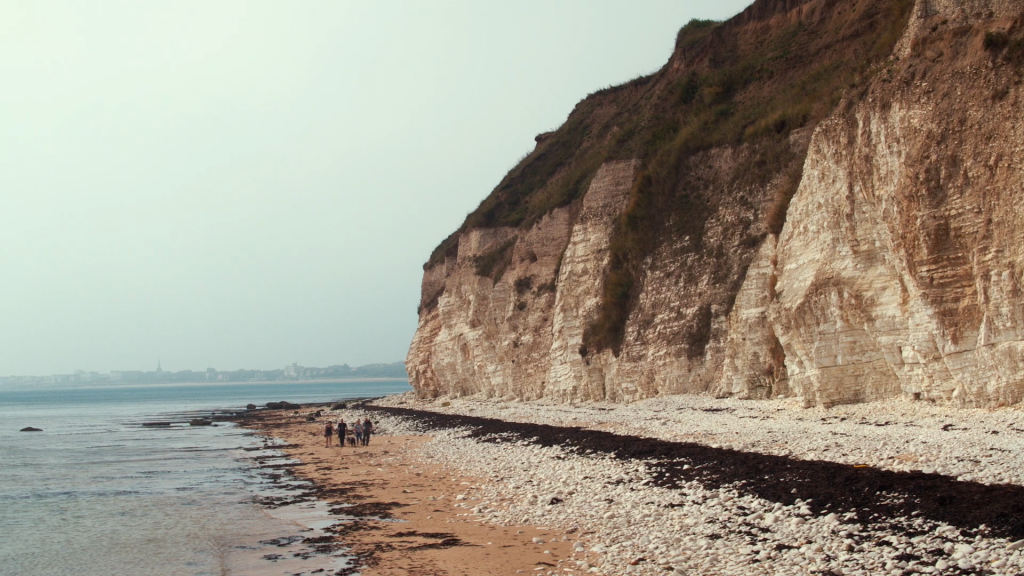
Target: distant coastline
x=291, y=373
x=93, y=385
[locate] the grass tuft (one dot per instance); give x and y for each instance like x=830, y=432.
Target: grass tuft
x=996, y=41
x=524, y=284
x=494, y=263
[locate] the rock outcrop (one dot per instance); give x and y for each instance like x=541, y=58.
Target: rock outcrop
x=898, y=269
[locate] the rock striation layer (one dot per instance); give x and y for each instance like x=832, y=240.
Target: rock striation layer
x=898, y=270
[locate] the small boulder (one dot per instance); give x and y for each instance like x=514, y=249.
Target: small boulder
x=200, y=422
x=273, y=405
x=250, y=406
x=339, y=406
x=31, y=429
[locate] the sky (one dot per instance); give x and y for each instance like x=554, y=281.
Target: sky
x=247, y=184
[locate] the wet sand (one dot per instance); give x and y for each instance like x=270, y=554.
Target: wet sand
x=403, y=516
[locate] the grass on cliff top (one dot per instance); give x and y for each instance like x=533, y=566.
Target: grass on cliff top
x=558, y=171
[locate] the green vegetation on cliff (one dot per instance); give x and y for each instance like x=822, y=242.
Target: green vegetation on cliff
x=751, y=93
x=780, y=66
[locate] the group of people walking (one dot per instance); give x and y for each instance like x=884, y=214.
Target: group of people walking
x=360, y=432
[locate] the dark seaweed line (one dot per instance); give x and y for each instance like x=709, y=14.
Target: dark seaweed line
x=876, y=496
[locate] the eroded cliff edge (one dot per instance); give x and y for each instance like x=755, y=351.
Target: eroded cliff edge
x=850, y=230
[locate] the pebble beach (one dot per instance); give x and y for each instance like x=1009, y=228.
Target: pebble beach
x=703, y=486
x=629, y=518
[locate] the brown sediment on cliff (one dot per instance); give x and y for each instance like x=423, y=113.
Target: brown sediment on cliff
x=814, y=198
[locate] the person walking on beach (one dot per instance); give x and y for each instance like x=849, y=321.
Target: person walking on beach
x=328, y=434
x=358, y=429
x=367, y=429
x=342, y=430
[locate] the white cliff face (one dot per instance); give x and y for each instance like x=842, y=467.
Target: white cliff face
x=519, y=336
x=580, y=278
x=487, y=336
x=899, y=271
x=755, y=362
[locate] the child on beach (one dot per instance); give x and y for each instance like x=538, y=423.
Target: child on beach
x=358, y=429
x=328, y=434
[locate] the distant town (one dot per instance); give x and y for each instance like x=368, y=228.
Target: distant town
x=292, y=372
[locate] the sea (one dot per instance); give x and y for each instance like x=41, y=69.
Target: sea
x=97, y=493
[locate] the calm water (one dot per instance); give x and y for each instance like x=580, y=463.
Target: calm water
x=96, y=493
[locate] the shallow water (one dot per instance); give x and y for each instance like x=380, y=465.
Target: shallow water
x=96, y=493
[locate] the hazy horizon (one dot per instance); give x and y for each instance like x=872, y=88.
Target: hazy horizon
x=251, y=184
x=204, y=368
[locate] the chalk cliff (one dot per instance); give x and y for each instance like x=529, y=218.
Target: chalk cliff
x=816, y=199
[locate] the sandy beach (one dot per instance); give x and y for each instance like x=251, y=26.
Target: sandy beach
x=684, y=485
x=405, y=516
